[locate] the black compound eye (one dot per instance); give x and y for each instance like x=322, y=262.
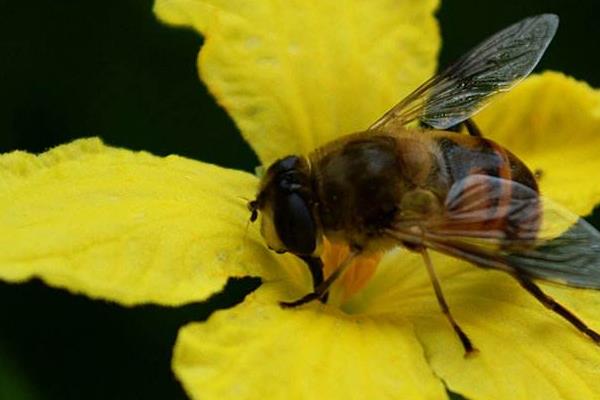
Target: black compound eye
x=294, y=223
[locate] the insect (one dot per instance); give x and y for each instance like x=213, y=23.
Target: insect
x=427, y=187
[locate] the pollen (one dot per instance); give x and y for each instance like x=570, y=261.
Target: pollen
x=355, y=278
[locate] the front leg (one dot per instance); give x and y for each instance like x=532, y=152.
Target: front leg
x=321, y=290
x=303, y=300
x=315, y=265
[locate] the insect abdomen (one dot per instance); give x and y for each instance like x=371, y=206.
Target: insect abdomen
x=464, y=157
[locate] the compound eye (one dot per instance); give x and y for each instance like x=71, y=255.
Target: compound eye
x=295, y=224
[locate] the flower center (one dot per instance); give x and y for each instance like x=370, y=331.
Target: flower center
x=356, y=276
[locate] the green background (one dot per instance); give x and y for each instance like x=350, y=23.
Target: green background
x=84, y=68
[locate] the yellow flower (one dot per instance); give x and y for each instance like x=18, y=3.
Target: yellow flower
x=135, y=228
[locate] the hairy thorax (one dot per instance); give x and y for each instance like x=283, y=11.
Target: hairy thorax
x=360, y=184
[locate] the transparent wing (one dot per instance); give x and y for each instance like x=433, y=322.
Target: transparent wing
x=496, y=223
x=461, y=90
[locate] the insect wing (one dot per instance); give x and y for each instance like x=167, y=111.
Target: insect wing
x=462, y=89
x=572, y=258
x=502, y=224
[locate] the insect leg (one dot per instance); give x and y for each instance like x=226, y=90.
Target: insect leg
x=551, y=304
x=323, y=288
x=464, y=339
x=472, y=128
x=315, y=266
x=469, y=124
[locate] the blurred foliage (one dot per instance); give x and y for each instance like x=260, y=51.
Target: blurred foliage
x=86, y=68
x=14, y=383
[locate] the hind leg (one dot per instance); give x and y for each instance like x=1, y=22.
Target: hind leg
x=551, y=304
x=464, y=339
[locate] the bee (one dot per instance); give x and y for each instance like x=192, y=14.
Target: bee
x=427, y=187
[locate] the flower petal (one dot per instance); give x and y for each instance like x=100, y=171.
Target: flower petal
x=552, y=121
x=525, y=350
x=257, y=351
x=126, y=226
x=294, y=75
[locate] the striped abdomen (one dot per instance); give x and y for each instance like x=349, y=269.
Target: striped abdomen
x=507, y=207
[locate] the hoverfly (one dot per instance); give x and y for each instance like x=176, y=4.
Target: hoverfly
x=429, y=187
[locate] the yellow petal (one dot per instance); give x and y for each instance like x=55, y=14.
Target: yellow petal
x=296, y=74
x=257, y=351
x=525, y=351
x=126, y=226
x=552, y=122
